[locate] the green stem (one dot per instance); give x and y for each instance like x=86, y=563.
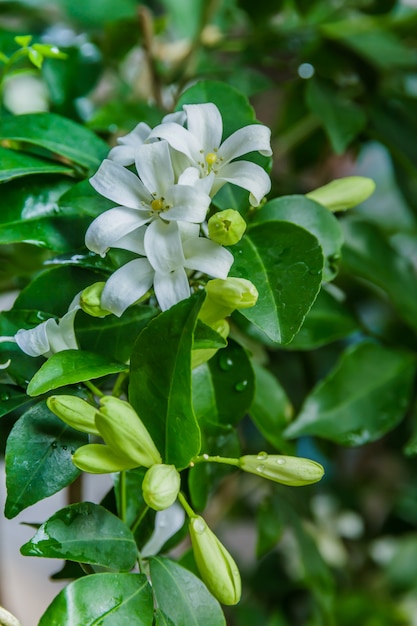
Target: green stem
x=117, y=389
x=139, y=519
x=96, y=391
x=185, y=505
x=122, y=496
x=205, y=458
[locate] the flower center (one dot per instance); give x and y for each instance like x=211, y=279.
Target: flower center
x=157, y=204
x=211, y=159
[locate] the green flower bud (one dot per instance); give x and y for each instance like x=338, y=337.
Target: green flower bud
x=90, y=300
x=226, y=227
x=343, y=193
x=97, y=458
x=122, y=429
x=216, y=566
x=160, y=486
x=75, y=412
x=224, y=296
x=288, y=470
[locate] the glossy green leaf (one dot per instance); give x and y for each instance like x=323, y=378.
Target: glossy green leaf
x=362, y=398
x=160, y=381
x=161, y=619
x=16, y=164
x=328, y=320
x=105, y=599
x=182, y=596
x=205, y=337
x=38, y=458
x=85, y=533
x=314, y=218
x=368, y=254
x=341, y=118
x=32, y=198
x=11, y=398
x=82, y=200
x=271, y=409
x=69, y=367
x=58, y=135
x=285, y=264
x=223, y=388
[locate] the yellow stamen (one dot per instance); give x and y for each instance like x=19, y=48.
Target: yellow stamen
x=157, y=204
x=211, y=158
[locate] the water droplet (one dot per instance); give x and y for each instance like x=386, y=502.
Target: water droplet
x=262, y=456
x=280, y=461
x=72, y=451
x=241, y=385
x=260, y=468
x=64, y=447
x=225, y=362
x=205, y=456
x=54, y=444
x=199, y=526
x=4, y=397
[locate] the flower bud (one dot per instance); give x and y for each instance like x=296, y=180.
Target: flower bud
x=226, y=227
x=97, y=458
x=90, y=300
x=343, y=193
x=288, y=470
x=75, y=412
x=123, y=430
x=216, y=566
x=226, y=295
x=160, y=486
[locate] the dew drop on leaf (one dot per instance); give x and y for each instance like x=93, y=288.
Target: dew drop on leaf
x=225, y=362
x=262, y=456
x=241, y=385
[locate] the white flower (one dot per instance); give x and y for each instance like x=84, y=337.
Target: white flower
x=155, y=195
x=48, y=337
x=201, y=143
x=125, y=152
x=171, y=249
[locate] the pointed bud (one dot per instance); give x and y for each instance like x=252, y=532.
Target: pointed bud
x=343, y=193
x=90, y=300
x=288, y=470
x=75, y=412
x=226, y=227
x=123, y=430
x=216, y=566
x=97, y=458
x=226, y=295
x=160, y=486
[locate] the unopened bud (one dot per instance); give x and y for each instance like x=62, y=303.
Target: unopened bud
x=75, y=412
x=287, y=470
x=90, y=300
x=216, y=566
x=97, y=458
x=226, y=295
x=226, y=227
x=343, y=193
x=123, y=430
x=160, y=486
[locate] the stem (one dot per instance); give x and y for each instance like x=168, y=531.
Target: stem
x=139, y=519
x=122, y=496
x=117, y=389
x=146, y=25
x=96, y=391
x=205, y=458
x=185, y=505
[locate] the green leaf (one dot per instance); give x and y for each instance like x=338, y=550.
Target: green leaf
x=11, y=398
x=285, y=264
x=205, y=337
x=182, y=596
x=160, y=382
x=17, y=164
x=185, y=16
x=271, y=409
x=270, y=522
x=342, y=119
x=69, y=367
x=223, y=388
x=36, y=57
x=32, y=198
x=105, y=599
x=161, y=619
x=328, y=320
x=58, y=135
x=82, y=200
x=314, y=218
x=362, y=398
x=368, y=254
x=38, y=458
x=85, y=533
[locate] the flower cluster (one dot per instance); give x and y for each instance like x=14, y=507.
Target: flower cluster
x=180, y=165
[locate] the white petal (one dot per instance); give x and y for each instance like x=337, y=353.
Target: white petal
x=134, y=241
x=153, y=163
x=126, y=285
x=167, y=523
x=180, y=139
x=34, y=341
x=188, y=230
x=137, y=136
x=207, y=256
x=61, y=336
x=191, y=176
x=189, y=204
x=178, y=117
x=124, y=155
x=115, y=182
x=163, y=246
x=205, y=123
x=109, y=227
x=247, y=175
x=253, y=138
x=171, y=288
